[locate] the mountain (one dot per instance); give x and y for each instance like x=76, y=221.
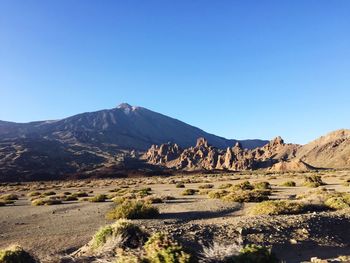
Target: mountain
x=329, y=151
x=124, y=127
x=92, y=142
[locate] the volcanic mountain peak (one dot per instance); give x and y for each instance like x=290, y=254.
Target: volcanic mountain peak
x=127, y=108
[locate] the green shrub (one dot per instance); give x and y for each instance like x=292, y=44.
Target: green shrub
x=46, y=201
x=160, y=248
x=189, y=192
x=277, y=207
x=80, y=194
x=247, y=196
x=9, y=197
x=336, y=203
x=133, y=209
x=289, y=184
x=153, y=199
x=131, y=235
x=313, y=181
x=101, y=236
x=262, y=186
x=206, y=186
x=98, y=198
x=255, y=254
x=143, y=192
x=217, y=194
x=15, y=254
x=246, y=185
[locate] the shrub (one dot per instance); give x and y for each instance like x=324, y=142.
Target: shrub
x=31, y=194
x=277, y=207
x=336, y=203
x=225, y=186
x=9, y=197
x=160, y=248
x=46, y=201
x=189, y=192
x=48, y=193
x=98, y=198
x=70, y=198
x=219, y=253
x=262, y=186
x=246, y=185
x=206, y=186
x=233, y=253
x=289, y=184
x=180, y=185
x=80, y=194
x=144, y=192
x=313, y=181
x=217, y=194
x=131, y=235
x=153, y=199
x=247, y=196
x=133, y=209
x=255, y=254
x=15, y=254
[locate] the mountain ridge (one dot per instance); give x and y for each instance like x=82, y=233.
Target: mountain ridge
x=91, y=141
x=124, y=120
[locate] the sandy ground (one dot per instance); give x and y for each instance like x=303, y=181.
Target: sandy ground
x=61, y=229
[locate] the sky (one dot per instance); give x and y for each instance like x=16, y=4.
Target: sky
x=238, y=69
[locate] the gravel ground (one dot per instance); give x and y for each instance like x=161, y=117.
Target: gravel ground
x=195, y=220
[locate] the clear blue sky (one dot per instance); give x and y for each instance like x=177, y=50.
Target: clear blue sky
x=239, y=69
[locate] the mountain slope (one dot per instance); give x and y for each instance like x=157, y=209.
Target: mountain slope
x=126, y=127
x=329, y=151
x=92, y=142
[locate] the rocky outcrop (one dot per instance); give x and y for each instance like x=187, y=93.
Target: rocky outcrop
x=163, y=154
x=295, y=165
x=276, y=149
x=205, y=156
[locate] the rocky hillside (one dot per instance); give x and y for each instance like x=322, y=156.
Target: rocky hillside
x=205, y=156
x=329, y=151
x=125, y=127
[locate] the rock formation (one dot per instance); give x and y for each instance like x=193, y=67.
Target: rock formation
x=295, y=165
x=205, y=156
